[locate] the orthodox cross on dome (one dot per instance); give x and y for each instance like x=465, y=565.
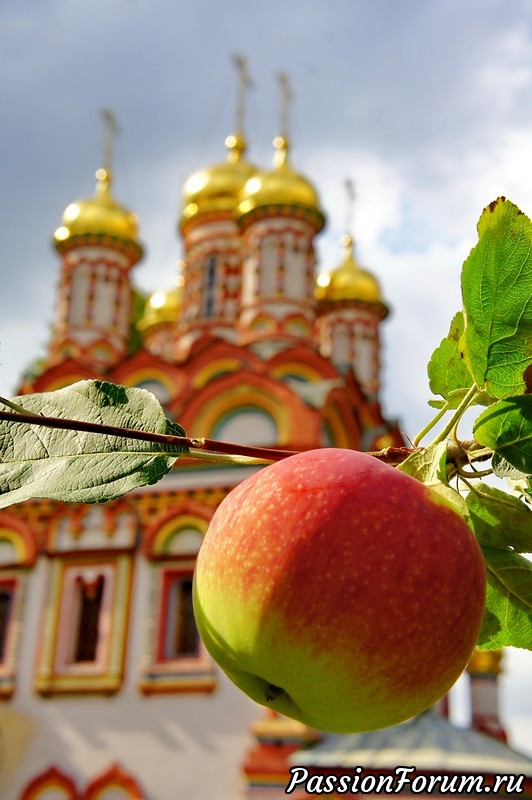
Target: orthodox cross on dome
x=286, y=96
x=111, y=129
x=350, y=190
x=244, y=83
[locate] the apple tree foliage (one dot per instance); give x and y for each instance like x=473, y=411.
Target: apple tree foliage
x=94, y=441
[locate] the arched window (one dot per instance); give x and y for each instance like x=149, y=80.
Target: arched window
x=87, y=610
x=176, y=660
x=247, y=425
x=210, y=287
x=88, y=597
x=17, y=553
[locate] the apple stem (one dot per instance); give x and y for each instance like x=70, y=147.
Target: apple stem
x=273, y=692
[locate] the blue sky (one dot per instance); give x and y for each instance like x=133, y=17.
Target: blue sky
x=425, y=106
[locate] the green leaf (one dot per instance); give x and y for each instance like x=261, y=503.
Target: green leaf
x=84, y=467
x=448, y=373
x=499, y=519
x=506, y=427
x=497, y=298
x=457, y=395
x=427, y=465
x=503, y=469
x=430, y=467
x=508, y=619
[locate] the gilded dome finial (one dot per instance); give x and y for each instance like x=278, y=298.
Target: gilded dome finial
x=282, y=142
x=286, y=96
x=282, y=187
x=104, y=174
x=100, y=215
x=350, y=211
x=349, y=281
x=236, y=142
x=111, y=129
x=346, y=240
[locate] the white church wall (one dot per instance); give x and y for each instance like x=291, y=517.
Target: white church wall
x=174, y=746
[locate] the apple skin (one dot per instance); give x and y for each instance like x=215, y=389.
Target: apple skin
x=339, y=591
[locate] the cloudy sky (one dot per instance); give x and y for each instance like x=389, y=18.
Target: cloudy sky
x=426, y=106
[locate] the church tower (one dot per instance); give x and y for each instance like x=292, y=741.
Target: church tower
x=212, y=269
x=484, y=669
x=279, y=218
x=350, y=309
x=98, y=243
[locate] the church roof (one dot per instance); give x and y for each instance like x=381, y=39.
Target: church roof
x=429, y=741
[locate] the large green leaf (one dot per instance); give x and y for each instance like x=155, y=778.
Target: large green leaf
x=506, y=427
x=497, y=298
x=78, y=466
x=508, y=619
x=499, y=519
x=448, y=372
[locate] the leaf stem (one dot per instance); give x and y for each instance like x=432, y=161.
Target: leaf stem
x=434, y=421
x=227, y=458
x=481, y=473
x=18, y=409
x=456, y=417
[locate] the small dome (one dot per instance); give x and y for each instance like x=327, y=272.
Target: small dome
x=218, y=188
x=348, y=281
x=485, y=662
x=281, y=186
x=98, y=215
x=160, y=308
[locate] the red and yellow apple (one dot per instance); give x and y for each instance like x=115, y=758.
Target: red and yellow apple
x=339, y=591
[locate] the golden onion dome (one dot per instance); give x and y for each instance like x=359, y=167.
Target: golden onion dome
x=485, y=662
x=349, y=281
x=100, y=215
x=281, y=186
x=161, y=308
x=218, y=188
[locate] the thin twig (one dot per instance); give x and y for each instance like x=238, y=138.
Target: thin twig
x=183, y=442
x=390, y=455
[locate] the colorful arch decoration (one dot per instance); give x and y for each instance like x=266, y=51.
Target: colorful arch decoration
x=51, y=780
x=297, y=370
x=231, y=393
x=102, y=350
x=301, y=361
x=113, y=778
x=64, y=374
x=182, y=522
x=17, y=544
x=297, y=425
x=220, y=366
x=144, y=369
x=146, y=376
x=260, y=418
x=335, y=431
